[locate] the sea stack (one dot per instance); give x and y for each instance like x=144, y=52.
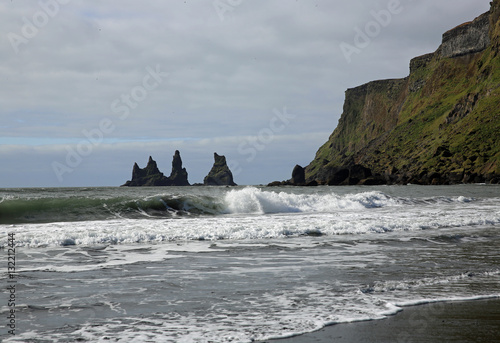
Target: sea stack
x=298, y=176
x=148, y=176
x=152, y=176
x=219, y=175
x=179, y=175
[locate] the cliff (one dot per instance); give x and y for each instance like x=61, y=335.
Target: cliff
x=467, y=38
x=439, y=125
x=152, y=176
x=219, y=175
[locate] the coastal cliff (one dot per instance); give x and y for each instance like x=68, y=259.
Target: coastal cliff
x=439, y=125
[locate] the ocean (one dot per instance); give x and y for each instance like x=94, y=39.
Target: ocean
x=236, y=264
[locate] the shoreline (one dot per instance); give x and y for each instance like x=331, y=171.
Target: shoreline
x=451, y=321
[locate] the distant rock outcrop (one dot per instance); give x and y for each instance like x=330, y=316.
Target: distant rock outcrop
x=152, y=176
x=298, y=175
x=149, y=176
x=219, y=175
x=179, y=175
x=298, y=179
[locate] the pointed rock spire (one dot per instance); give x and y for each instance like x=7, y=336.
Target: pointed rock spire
x=179, y=175
x=219, y=175
x=152, y=176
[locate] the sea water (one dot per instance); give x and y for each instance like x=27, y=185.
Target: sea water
x=217, y=264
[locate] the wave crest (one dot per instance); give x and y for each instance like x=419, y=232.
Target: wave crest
x=254, y=200
x=68, y=207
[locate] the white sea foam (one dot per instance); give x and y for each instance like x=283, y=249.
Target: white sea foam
x=118, y=204
x=245, y=327
x=405, y=285
x=124, y=255
x=255, y=200
x=363, y=213
x=447, y=299
x=225, y=269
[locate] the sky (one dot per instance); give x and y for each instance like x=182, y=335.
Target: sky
x=91, y=87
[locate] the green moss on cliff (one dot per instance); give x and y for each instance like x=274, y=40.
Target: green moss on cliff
x=439, y=125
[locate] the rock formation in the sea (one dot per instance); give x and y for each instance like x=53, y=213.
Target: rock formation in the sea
x=298, y=179
x=179, y=175
x=151, y=175
x=219, y=175
x=298, y=175
x=148, y=176
x=439, y=125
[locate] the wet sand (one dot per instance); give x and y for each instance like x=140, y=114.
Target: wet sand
x=468, y=321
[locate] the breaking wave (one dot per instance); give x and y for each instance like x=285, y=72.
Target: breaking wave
x=249, y=200
x=253, y=200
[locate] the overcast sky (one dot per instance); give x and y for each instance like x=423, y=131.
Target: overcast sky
x=90, y=87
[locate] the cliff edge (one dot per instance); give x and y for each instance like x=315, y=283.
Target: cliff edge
x=439, y=125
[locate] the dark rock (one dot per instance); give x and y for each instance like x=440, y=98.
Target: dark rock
x=313, y=233
x=219, y=175
x=275, y=184
x=436, y=179
x=373, y=181
x=474, y=178
x=338, y=176
x=312, y=183
x=298, y=176
x=489, y=177
x=465, y=106
x=456, y=177
x=348, y=175
x=469, y=177
x=298, y=179
x=179, y=175
x=390, y=176
x=357, y=173
x=152, y=176
x=402, y=179
x=442, y=151
x=151, y=168
x=148, y=176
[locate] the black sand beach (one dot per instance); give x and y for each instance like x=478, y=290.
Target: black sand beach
x=457, y=322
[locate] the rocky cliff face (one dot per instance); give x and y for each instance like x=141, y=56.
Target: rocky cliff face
x=151, y=176
x=439, y=125
x=467, y=38
x=219, y=175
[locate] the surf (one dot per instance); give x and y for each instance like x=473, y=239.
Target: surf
x=73, y=205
